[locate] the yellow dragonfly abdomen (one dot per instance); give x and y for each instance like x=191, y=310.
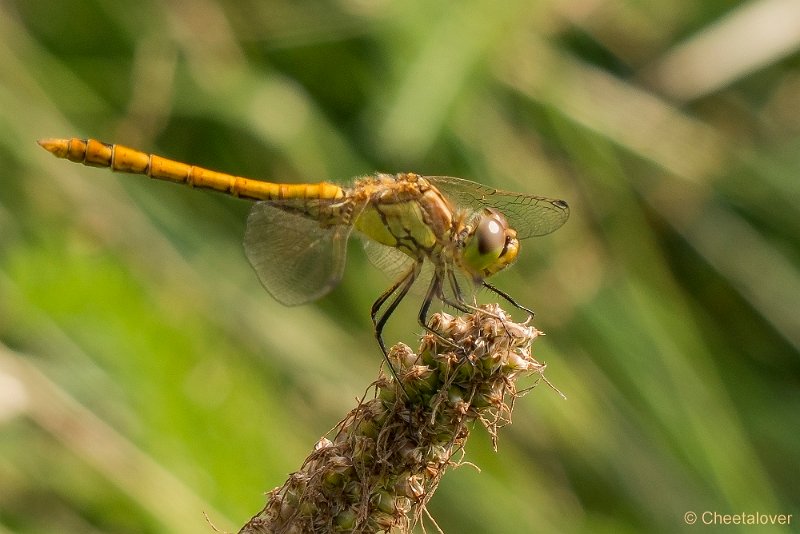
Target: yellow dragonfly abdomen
x=123, y=159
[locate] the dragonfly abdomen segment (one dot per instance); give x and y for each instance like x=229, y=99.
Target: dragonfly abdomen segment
x=123, y=159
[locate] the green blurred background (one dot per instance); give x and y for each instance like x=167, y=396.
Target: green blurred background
x=146, y=378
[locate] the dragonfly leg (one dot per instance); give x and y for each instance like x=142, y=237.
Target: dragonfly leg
x=460, y=302
x=435, y=290
x=508, y=297
x=399, y=290
x=457, y=294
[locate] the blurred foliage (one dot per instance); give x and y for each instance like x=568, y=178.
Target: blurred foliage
x=145, y=377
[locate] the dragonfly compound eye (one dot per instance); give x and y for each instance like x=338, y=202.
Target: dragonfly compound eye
x=491, y=246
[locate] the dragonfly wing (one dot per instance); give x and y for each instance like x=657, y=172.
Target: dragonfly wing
x=296, y=259
x=388, y=259
x=395, y=264
x=529, y=215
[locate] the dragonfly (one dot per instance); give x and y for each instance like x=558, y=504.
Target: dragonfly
x=296, y=234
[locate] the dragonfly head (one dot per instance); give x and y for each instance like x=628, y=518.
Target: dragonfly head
x=489, y=245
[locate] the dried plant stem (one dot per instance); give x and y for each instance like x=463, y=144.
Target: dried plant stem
x=387, y=456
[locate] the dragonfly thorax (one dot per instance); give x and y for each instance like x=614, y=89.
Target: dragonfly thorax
x=403, y=211
x=487, y=244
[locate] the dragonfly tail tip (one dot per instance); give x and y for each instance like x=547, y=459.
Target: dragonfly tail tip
x=58, y=147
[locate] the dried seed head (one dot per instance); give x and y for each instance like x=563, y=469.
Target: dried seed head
x=385, y=459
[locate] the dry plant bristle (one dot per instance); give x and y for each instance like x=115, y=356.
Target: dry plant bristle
x=386, y=458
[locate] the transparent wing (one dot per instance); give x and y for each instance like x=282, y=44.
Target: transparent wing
x=296, y=259
x=529, y=215
x=388, y=259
